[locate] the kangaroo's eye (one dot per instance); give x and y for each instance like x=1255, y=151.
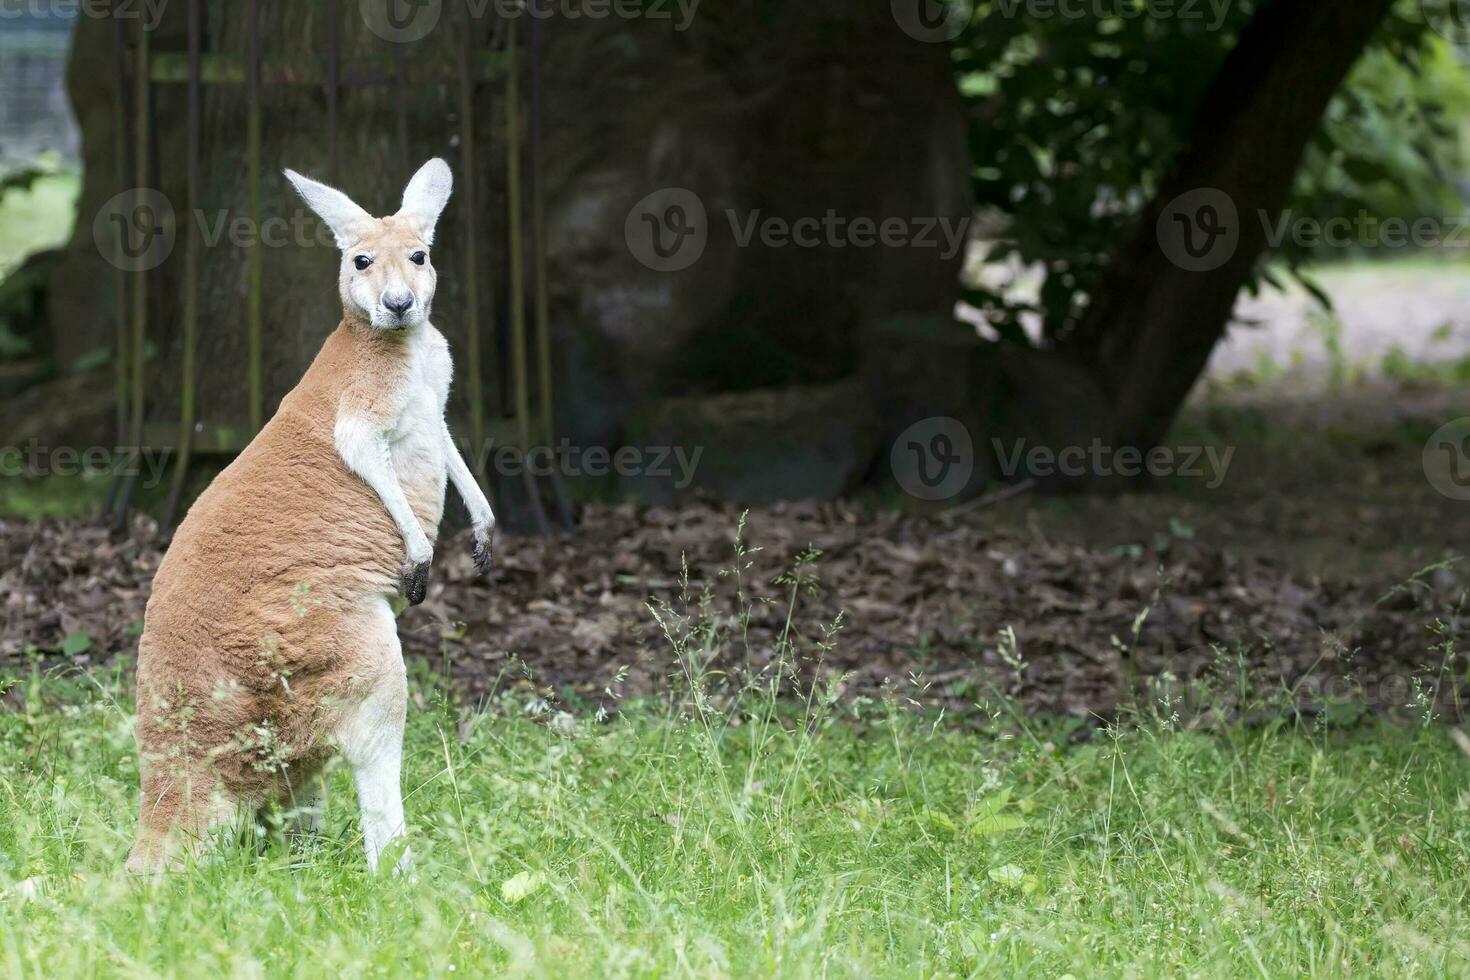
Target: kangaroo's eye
x=362, y=262
x=418, y=258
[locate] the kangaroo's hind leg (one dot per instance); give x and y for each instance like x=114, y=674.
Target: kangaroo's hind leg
x=184, y=803
x=300, y=807
x=182, y=812
x=369, y=732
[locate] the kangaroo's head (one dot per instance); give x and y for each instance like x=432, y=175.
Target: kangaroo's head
x=386, y=279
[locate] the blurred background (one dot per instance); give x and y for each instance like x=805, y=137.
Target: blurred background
x=1155, y=281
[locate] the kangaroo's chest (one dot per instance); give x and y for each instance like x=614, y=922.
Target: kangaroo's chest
x=417, y=441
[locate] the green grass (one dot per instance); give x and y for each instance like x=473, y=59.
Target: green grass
x=860, y=841
x=726, y=831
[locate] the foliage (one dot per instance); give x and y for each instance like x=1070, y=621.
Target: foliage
x=1076, y=118
x=1391, y=145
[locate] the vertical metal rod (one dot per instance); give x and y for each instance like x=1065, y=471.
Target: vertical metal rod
x=400, y=77
x=333, y=87
x=520, y=357
x=520, y=382
x=140, y=279
x=538, y=231
x=191, y=267
x=472, y=238
x=120, y=277
x=256, y=257
x=547, y=426
x=120, y=174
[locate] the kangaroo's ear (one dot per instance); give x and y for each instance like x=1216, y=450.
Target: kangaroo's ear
x=346, y=219
x=425, y=196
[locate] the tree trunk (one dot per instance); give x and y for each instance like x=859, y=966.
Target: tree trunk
x=776, y=110
x=1161, y=307
x=299, y=301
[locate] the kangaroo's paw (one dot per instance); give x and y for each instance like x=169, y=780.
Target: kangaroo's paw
x=413, y=581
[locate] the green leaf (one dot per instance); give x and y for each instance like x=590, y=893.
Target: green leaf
x=1011, y=876
x=995, y=823
x=76, y=644
x=522, y=886
x=992, y=817
x=1007, y=874
x=939, y=822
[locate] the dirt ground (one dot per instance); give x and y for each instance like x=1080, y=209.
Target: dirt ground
x=1317, y=569
x=1322, y=565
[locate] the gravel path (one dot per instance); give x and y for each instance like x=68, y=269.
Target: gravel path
x=1420, y=308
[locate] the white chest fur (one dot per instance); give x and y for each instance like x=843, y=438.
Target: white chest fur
x=417, y=439
x=405, y=457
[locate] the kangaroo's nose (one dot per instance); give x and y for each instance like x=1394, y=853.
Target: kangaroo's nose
x=398, y=303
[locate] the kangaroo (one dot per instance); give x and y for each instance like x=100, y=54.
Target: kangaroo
x=269, y=641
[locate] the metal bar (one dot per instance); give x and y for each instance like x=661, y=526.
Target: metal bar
x=256, y=257
x=120, y=174
x=543, y=314
x=172, y=68
x=471, y=242
x=519, y=367
x=140, y=279
x=563, y=504
x=533, y=498
x=191, y=267
x=400, y=77
x=538, y=232
x=520, y=357
x=120, y=277
x=333, y=83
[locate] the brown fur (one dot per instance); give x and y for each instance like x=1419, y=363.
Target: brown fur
x=263, y=613
x=269, y=641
